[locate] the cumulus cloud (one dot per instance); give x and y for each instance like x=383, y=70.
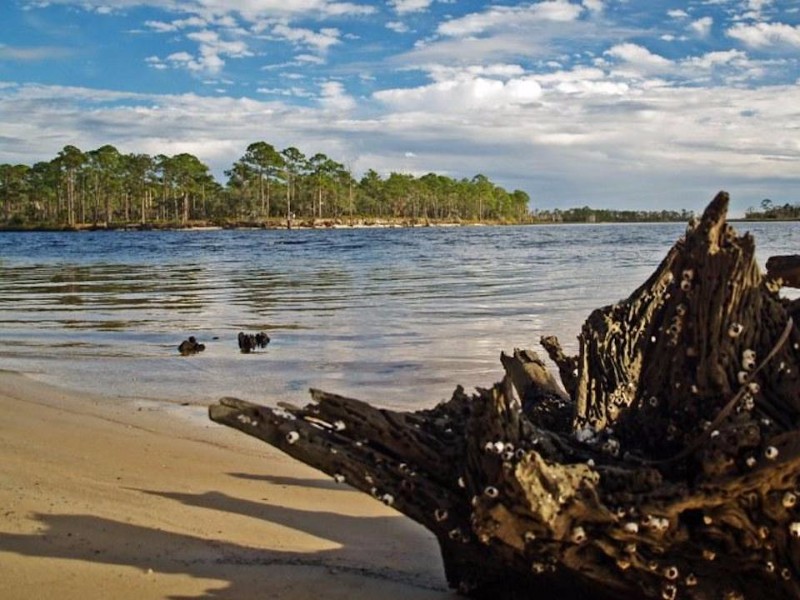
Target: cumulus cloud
x=463, y=92
x=638, y=59
x=511, y=16
x=209, y=59
x=249, y=9
x=320, y=40
x=702, y=26
x=594, y=5
x=521, y=130
x=176, y=25
x=410, y=6
x=677, y=13
x=334, y=97
x=762, y=35
x=397, y=26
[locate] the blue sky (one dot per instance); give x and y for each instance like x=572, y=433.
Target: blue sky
x=614, y=103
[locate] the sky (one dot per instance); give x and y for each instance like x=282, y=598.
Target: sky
x=631, y=104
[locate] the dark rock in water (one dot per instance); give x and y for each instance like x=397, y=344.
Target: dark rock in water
x=191, y=346
x=249, y=341
x=245, y=344
x=262, y=339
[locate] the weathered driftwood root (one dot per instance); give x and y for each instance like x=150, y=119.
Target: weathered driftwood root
x=669, y=469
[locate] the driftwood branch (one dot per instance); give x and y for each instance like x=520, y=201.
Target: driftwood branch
x=786, y=269
x=667, y=466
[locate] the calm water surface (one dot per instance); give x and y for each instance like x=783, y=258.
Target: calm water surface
x=397, y=317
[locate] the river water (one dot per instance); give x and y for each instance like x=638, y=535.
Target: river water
x=396, y=317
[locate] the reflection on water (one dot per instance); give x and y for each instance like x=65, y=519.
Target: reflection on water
x=397, y=316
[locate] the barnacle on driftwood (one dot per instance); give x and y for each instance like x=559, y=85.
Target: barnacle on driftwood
x=666, y=467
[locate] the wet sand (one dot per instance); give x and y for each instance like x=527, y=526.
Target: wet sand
x=105, y=498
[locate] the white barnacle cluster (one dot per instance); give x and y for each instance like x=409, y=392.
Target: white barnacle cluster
x=794, y=529
x=245, y=419
x=494, y=447
x=675, y=328
x=671, y=572
x=631, y=527
x=621, y=397
x=735, y=329
x=747, y=402
x=655, y=523
x=748, y=359
x=458, y=535
x=611, y=446
x=586, y=435
x=529, y=537
x=669, y=591
x=538, y=568
x=578, y=535
x=686, y=279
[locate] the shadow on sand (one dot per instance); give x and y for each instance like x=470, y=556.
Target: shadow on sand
x=250, y=571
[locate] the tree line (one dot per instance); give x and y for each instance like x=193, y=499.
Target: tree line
x=772, y=211
x=600, y=215
x=105, y=188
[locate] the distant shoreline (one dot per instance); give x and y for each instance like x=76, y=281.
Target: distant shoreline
x=307, y=224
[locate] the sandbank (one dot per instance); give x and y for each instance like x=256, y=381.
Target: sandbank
x=105, y=498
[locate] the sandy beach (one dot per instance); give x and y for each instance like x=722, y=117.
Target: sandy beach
x=105, y=498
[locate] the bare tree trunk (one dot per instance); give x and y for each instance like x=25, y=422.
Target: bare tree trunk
x=668, y=468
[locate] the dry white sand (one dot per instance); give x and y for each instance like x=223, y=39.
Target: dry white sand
x=103, y=498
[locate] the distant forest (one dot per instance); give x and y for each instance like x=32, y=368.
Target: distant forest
x=770, y=211
x=106, y=188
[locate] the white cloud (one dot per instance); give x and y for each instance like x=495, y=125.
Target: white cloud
x=209, y=59
x=594, y=5
x=250, y=10
x=497, y=70
x=702, y=26
x=409, y=6
x=760, y=35
x=33, y=53
x=499, y=17
x=320, y=40
x=310, y=59
x=638, y=59
x=677, y=13
x=464, y=92
x=397, y=26
x=335, y=98
x=176, y=25
x=667, y=140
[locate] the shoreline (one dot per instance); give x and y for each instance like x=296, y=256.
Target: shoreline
x=104, y=499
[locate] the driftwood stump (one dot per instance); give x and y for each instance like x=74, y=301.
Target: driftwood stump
x=666, y=467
